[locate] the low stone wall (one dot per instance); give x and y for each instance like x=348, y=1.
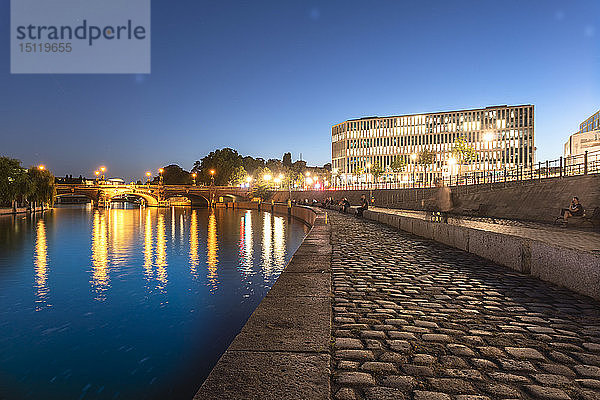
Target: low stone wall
x=536, y=200
x=576, y=270
x=283, y=351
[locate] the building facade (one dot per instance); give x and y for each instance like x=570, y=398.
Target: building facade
x=590, y=124
x=502, y=136
x=587, y=139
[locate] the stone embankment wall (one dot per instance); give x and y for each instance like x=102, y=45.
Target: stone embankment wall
x=283, y=351
x=537, y=200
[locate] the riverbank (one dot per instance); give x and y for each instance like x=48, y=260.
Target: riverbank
x=20, y=210
x=283, y=350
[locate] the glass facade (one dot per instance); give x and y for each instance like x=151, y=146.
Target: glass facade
x=502, y=136
x=590, y=124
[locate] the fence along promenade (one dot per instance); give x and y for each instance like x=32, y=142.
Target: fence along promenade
x=582, y=164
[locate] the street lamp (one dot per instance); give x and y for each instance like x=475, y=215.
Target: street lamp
x=487, y=138
x=193, y=179
x=413, y=158
x=212, y=176
x=41, y=167
x=160, y=176
x=97, y=173
x=102, y=170
x=148, y=175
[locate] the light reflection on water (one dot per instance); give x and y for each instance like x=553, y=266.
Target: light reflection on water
x=130, y=303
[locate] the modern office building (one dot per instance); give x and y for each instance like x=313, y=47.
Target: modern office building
x=590, y=124
x=502, y=136
x=587, y=139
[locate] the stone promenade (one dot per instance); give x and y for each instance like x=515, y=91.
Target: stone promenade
x=414, y=319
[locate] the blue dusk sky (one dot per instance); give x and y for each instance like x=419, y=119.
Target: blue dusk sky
x=267, y=77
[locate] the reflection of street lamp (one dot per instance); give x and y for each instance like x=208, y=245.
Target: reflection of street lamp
x=193, y=179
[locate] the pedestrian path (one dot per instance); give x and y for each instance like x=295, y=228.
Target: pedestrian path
x=570, y=238
x=415, y=319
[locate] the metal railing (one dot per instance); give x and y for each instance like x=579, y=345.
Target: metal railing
x=583, y=164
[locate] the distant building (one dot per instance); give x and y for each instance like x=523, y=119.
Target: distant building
x=503, y=136
x=591, y=124
x=587, y=139
x=581, y=142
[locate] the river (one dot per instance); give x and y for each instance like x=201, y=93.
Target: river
x=130, y=303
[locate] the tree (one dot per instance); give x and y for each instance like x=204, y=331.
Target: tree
x=239, y=176
x=287, y=160
x=425, y=158
x=398, y=165
x=175, y=175
x=15, y=182
x=376, y=171
x=251, y=164
x=462, y=152
x=44, y=189
x=223, y=162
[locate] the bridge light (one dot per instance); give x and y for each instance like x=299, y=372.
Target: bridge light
x=96, y=173
x=103, y=168
x=248, y=179
x=267, y=177
x=307, y=173
x=194, y=175
x=41, y=167
x=369, y=165
x=148, y=174
x=276, y=180
x=161, y=170
x=280, y=176
x=452, y=161
x=212, y=171
x=413, y=156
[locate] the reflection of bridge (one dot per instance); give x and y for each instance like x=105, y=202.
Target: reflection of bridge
x=154, y=195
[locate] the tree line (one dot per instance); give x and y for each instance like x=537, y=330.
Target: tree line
x=231, y=168
x=27, y=187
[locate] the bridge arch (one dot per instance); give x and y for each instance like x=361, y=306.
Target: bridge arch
x=150, y=200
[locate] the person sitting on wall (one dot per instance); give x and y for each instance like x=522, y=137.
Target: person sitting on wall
x=575, y=209
x=364, y=204
x=345, y=205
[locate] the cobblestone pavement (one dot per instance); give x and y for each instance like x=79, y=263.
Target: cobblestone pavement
x=414, y=319
x=585, y=240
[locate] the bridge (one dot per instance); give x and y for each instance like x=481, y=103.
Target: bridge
x=154, y=195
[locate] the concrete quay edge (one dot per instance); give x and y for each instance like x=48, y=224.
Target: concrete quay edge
x=283, y=350
x=576, y=270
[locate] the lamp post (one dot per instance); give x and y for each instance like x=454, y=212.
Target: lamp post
x=41, y=167
x=451, y=164
x=193, y=179
x=103, y=170
x=212, y=184
x=148, y=175
x=96, y=173
x=160, y=176
x=487, y=140
x=413, y=157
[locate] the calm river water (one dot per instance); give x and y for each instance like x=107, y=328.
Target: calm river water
x=130, y=303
